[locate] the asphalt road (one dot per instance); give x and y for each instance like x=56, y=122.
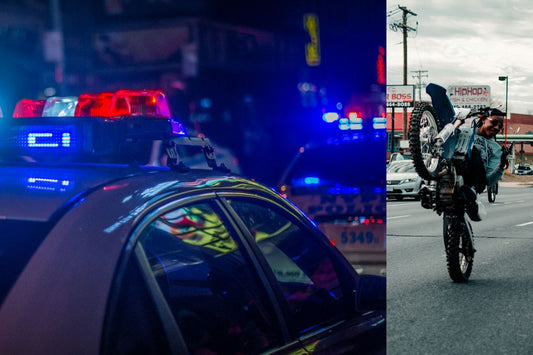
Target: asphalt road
x=490, y=314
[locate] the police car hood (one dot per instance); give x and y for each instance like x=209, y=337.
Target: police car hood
x=38, y=192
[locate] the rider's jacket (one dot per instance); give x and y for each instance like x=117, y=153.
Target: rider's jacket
x=490, y=154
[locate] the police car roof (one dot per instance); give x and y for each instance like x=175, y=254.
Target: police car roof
x=37, y=192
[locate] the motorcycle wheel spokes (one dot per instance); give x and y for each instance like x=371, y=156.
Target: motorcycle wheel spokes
x=423, y=128
x=459, y=250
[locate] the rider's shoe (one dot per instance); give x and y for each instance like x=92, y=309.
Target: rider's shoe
x=471, y=204
x=472, y=211
x=425, y=197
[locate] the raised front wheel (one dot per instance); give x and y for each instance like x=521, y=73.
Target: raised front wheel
x=423, y=128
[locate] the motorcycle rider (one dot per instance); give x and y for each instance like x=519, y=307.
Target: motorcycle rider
x=487, y=162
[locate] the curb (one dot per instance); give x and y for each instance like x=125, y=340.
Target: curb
x=516, y=184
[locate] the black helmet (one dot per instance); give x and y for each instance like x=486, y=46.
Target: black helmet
x=490, y=111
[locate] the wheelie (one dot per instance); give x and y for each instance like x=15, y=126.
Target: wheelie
x=457, y=156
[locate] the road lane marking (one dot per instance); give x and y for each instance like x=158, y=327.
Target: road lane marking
x=405, y=215
x=524, y=224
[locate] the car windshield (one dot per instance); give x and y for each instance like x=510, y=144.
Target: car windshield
x=344, y=164
x=18, y=242
x=401, y=167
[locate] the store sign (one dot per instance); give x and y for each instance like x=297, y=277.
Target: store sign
x=312, y=48
x=400, y=95
x=469, y=96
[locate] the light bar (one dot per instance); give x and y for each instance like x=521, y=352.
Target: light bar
x=60, y=106
x=379, y=123
x=29, y=108
x=139, y=103
x=350, y=124
x=94, y=105
x=107, y=126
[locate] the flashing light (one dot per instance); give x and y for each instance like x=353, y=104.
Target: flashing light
x=139, y=103
x=91, y=125
x=307, y=181
x=355, y=116
x=29, y=108
x=354, y=122
x=60, y=106
x=350, y=124
x=98, y=105
x=330, y=117
x=311, y=180
x=344, y=190
x=379, y=123
x=47, y=139
x=48, y=184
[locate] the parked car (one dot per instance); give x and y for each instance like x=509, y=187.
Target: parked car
x=115, y=257
x=397, y=156
x=523, y=170
x=402, y=180
x=340, y=183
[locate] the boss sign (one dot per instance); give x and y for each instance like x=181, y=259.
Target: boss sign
x=400, y=95
x=469, y=96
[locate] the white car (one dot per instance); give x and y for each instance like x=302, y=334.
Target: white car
x=402, y=180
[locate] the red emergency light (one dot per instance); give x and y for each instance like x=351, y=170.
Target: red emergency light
x=29, y=108
x=95, y=105
x=139, y=103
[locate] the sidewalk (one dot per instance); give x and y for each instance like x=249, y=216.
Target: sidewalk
x=512, y=180
x=516, y=183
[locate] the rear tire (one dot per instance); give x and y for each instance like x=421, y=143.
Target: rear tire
x=459, y=247
x=491, y=192
x=423, y=128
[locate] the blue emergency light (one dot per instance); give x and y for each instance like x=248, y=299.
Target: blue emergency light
x=91, y=125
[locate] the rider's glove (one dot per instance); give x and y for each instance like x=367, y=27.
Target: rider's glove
x=504, y=163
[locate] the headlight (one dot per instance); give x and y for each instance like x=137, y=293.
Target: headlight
x=405, y=181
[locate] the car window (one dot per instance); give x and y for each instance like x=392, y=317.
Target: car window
x=401, y=167
x=216, y=299
x=304, y=268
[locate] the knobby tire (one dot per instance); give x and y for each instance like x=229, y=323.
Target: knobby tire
x=423, y=127
x=491, y=193
x=459, y=248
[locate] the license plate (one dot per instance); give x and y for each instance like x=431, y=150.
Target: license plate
x=390, y=188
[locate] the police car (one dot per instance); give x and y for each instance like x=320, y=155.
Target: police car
x=102, y=251
x=339, y=181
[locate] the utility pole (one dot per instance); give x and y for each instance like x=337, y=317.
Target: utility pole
x=405, y=29
x=419, y=75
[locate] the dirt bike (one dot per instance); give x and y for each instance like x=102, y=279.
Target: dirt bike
x=440, y=144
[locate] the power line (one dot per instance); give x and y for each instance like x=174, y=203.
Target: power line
x=405, y=29
x=419, y=75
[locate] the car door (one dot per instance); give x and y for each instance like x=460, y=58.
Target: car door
x=189, y=284
x=316, y=285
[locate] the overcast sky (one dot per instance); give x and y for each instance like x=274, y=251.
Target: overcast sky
x=467, y=42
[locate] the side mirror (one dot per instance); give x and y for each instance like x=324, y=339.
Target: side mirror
x=371, y=293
